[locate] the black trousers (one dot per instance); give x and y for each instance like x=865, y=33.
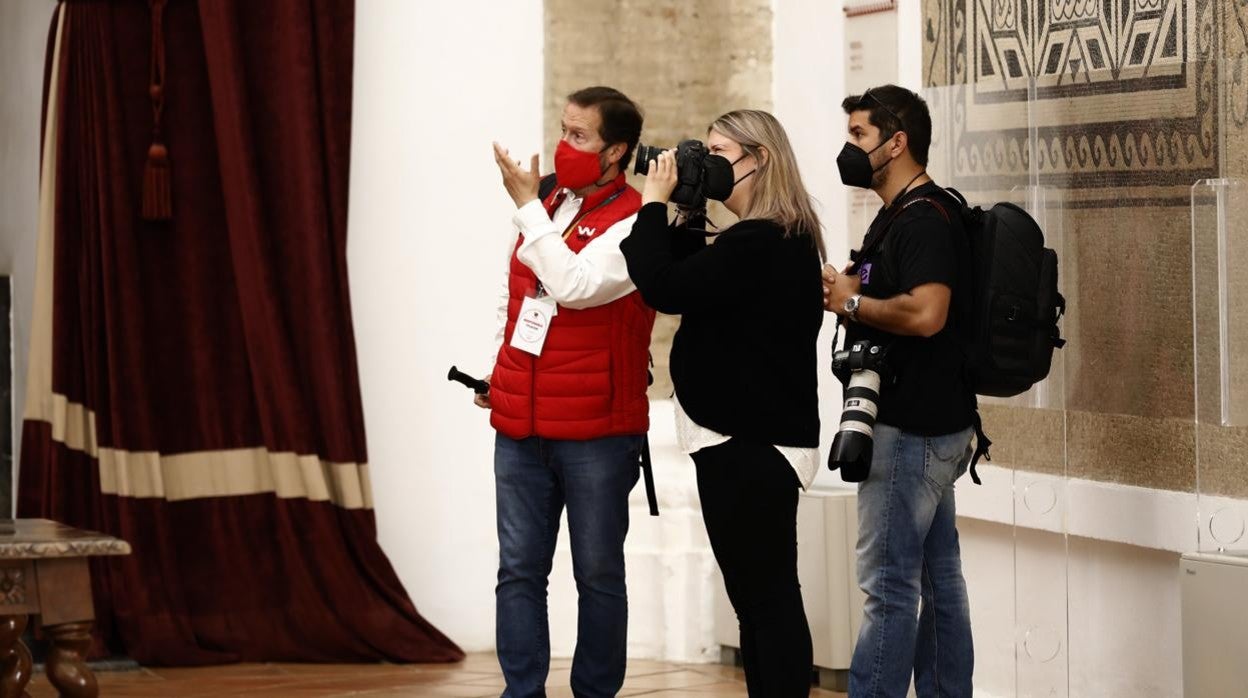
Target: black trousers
x=749, y=504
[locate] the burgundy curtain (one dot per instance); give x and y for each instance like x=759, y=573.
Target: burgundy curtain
x=196, y=391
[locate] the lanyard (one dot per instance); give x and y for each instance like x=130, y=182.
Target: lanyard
x=906, y=189
x=541, y=290
x=568, y=231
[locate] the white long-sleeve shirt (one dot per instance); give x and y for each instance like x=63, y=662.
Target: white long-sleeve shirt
x=596, y=276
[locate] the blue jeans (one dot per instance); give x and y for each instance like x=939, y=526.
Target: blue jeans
x=908, y=551
x=534, y=479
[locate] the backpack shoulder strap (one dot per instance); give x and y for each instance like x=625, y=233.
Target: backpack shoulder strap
x=958, y=196
x=936, y=204
x=982, y=444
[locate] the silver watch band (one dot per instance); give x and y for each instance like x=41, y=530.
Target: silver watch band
x=855, y=301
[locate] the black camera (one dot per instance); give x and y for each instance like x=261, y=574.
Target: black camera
x=853, y=446
x=699, y=174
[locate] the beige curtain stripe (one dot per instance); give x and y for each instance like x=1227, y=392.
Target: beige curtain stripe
x=39, y=371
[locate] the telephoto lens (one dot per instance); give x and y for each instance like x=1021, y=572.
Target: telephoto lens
x=854, y=443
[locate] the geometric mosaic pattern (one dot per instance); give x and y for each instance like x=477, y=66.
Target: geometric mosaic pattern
x=1118, y=107
x=1095, y=97
x=1079, y=46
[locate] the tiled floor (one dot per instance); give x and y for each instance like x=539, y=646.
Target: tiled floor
x=477, y=676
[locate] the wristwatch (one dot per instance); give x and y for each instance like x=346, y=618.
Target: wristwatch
x=851, y=306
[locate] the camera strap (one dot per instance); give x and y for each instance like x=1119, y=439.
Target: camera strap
x=874, y=239
x=647, y=473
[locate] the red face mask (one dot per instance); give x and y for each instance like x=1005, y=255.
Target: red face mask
x=576, y=169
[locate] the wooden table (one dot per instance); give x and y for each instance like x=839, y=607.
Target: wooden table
x=43, y=571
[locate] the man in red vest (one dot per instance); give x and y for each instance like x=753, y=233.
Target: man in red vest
x=568, y=396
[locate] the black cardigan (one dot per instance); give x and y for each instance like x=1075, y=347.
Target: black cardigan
x=751, y=305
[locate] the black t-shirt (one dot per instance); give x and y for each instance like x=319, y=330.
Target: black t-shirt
x=925, y=391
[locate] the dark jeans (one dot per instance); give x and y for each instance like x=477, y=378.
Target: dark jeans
x=534, y=480
x=749, y=503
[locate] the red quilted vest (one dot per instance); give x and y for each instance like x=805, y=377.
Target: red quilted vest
x=590, y=380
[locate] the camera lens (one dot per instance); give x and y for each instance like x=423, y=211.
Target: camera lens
x=645, y=153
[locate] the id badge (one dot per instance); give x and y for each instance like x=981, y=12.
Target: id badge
x=533, y=324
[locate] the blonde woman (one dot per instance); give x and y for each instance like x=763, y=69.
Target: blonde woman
x=744, y=367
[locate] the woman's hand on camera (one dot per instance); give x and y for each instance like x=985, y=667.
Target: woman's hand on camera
x=661, y=181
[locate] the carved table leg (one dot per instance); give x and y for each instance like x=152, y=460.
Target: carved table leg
x=67, y=668
x=15, y=661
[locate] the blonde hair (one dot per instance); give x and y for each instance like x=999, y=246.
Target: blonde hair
x=779, y=194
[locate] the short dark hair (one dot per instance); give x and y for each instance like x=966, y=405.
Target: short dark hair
x=621, y=119
x=893, y=109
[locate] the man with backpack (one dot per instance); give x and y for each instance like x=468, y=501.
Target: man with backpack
x=908, y=291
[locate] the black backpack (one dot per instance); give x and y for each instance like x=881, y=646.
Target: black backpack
x=1015, y=305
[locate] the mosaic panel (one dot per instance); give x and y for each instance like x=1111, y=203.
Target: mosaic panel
x=1116, y=108
x=1108, y=100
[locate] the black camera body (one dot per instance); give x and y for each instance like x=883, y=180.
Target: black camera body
x=700, y=175
x=853, y=447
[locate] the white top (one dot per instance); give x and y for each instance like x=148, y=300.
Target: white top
x=692, y=437
x=596, y=276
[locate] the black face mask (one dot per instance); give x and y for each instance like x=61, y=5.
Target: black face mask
x=855, y=165
x=717, y=177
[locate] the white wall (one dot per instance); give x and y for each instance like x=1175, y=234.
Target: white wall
x=910, y=44
x=808, y=84
x=1122, y=626
x=23, y=35
x=435, y=83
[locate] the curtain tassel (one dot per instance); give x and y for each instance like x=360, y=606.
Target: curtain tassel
x=157, y=177
x=157, y=188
